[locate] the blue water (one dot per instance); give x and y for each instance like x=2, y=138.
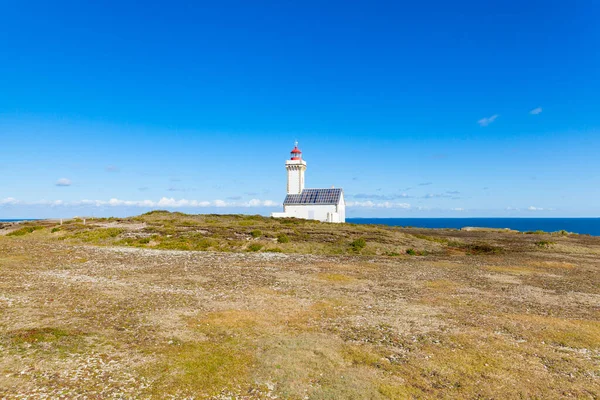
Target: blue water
x=589, y=226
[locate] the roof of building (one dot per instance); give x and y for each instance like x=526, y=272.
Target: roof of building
x=314, y=196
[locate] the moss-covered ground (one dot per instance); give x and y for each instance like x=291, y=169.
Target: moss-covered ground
x=168, y=305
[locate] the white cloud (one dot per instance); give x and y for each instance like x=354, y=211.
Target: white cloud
x=10, y=201
x=435, y=196
x=171, y=202
x=259, y=203
x=536, y=111
x=488, y=120
x=457, y=209
x=63, y=182
x=220, y=203
x=532, y=208
x=164, y=202
x=380, y=196
x=371, y=204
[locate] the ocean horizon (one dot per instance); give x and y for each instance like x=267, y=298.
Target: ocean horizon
x=21, y=219
x=583, y=225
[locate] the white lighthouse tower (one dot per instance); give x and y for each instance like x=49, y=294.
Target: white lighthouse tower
x=295, y=167
x=325, y=205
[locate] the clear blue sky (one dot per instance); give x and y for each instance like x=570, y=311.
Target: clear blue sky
x=480, y=108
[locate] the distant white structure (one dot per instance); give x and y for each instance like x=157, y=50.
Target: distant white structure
x=325, y=205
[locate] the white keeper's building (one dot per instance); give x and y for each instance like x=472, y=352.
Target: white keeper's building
x=325, y=205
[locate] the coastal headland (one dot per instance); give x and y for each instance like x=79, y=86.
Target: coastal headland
x=170, y=305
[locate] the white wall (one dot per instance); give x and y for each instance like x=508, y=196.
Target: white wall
x=314, y=211
x=341, y=208
x=295, y=176
x=319, y=212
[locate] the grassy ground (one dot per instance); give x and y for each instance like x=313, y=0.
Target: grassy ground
x=294, y=309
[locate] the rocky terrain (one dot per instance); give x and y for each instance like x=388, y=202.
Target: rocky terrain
x=168, y=305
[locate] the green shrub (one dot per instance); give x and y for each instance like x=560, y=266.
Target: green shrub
x=156, y=212
x=293, y=221
x=476, y=248
x=413, y=252
x=431, y=238
x=358, y=244
x=255, y=247
x=544, y=244
x=55, y=229
x=256, y=233
x=25, y=230
x=561, y=233
x=483, y=248
x=173, y=245
x=203, y=244
x=98, y=235
x=190, y=242
x=283, y=238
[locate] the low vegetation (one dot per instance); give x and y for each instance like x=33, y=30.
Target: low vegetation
x=283, y=238
x=256, y=233
x=544, y=244
x=413, y=252
x=169, y=305
x=233, y=233
x=358, y=244
x=24, y=231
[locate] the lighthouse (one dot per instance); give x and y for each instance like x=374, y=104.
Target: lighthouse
x=325, y=205
x=295, y=167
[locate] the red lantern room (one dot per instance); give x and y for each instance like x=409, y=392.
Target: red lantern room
x=296, y=153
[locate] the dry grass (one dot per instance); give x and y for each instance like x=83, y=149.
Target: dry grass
x=336, y=278
x=483, y=314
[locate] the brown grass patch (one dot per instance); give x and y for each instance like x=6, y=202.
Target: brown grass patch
x=336, y=278
x=446, y=264
x=575, y=333
x=471, y=365
x=316, y=366
x=310, y=319
x=516, y=270
x=41, y=335
x=230, y=322
x=202, y=368
x=553, y=264
x=441, y=285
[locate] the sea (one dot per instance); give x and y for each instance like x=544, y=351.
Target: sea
x=589, y=226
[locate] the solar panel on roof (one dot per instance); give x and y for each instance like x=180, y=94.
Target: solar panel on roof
x=314, y=196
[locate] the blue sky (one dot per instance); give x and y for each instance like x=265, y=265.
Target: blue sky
x=417, y=109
